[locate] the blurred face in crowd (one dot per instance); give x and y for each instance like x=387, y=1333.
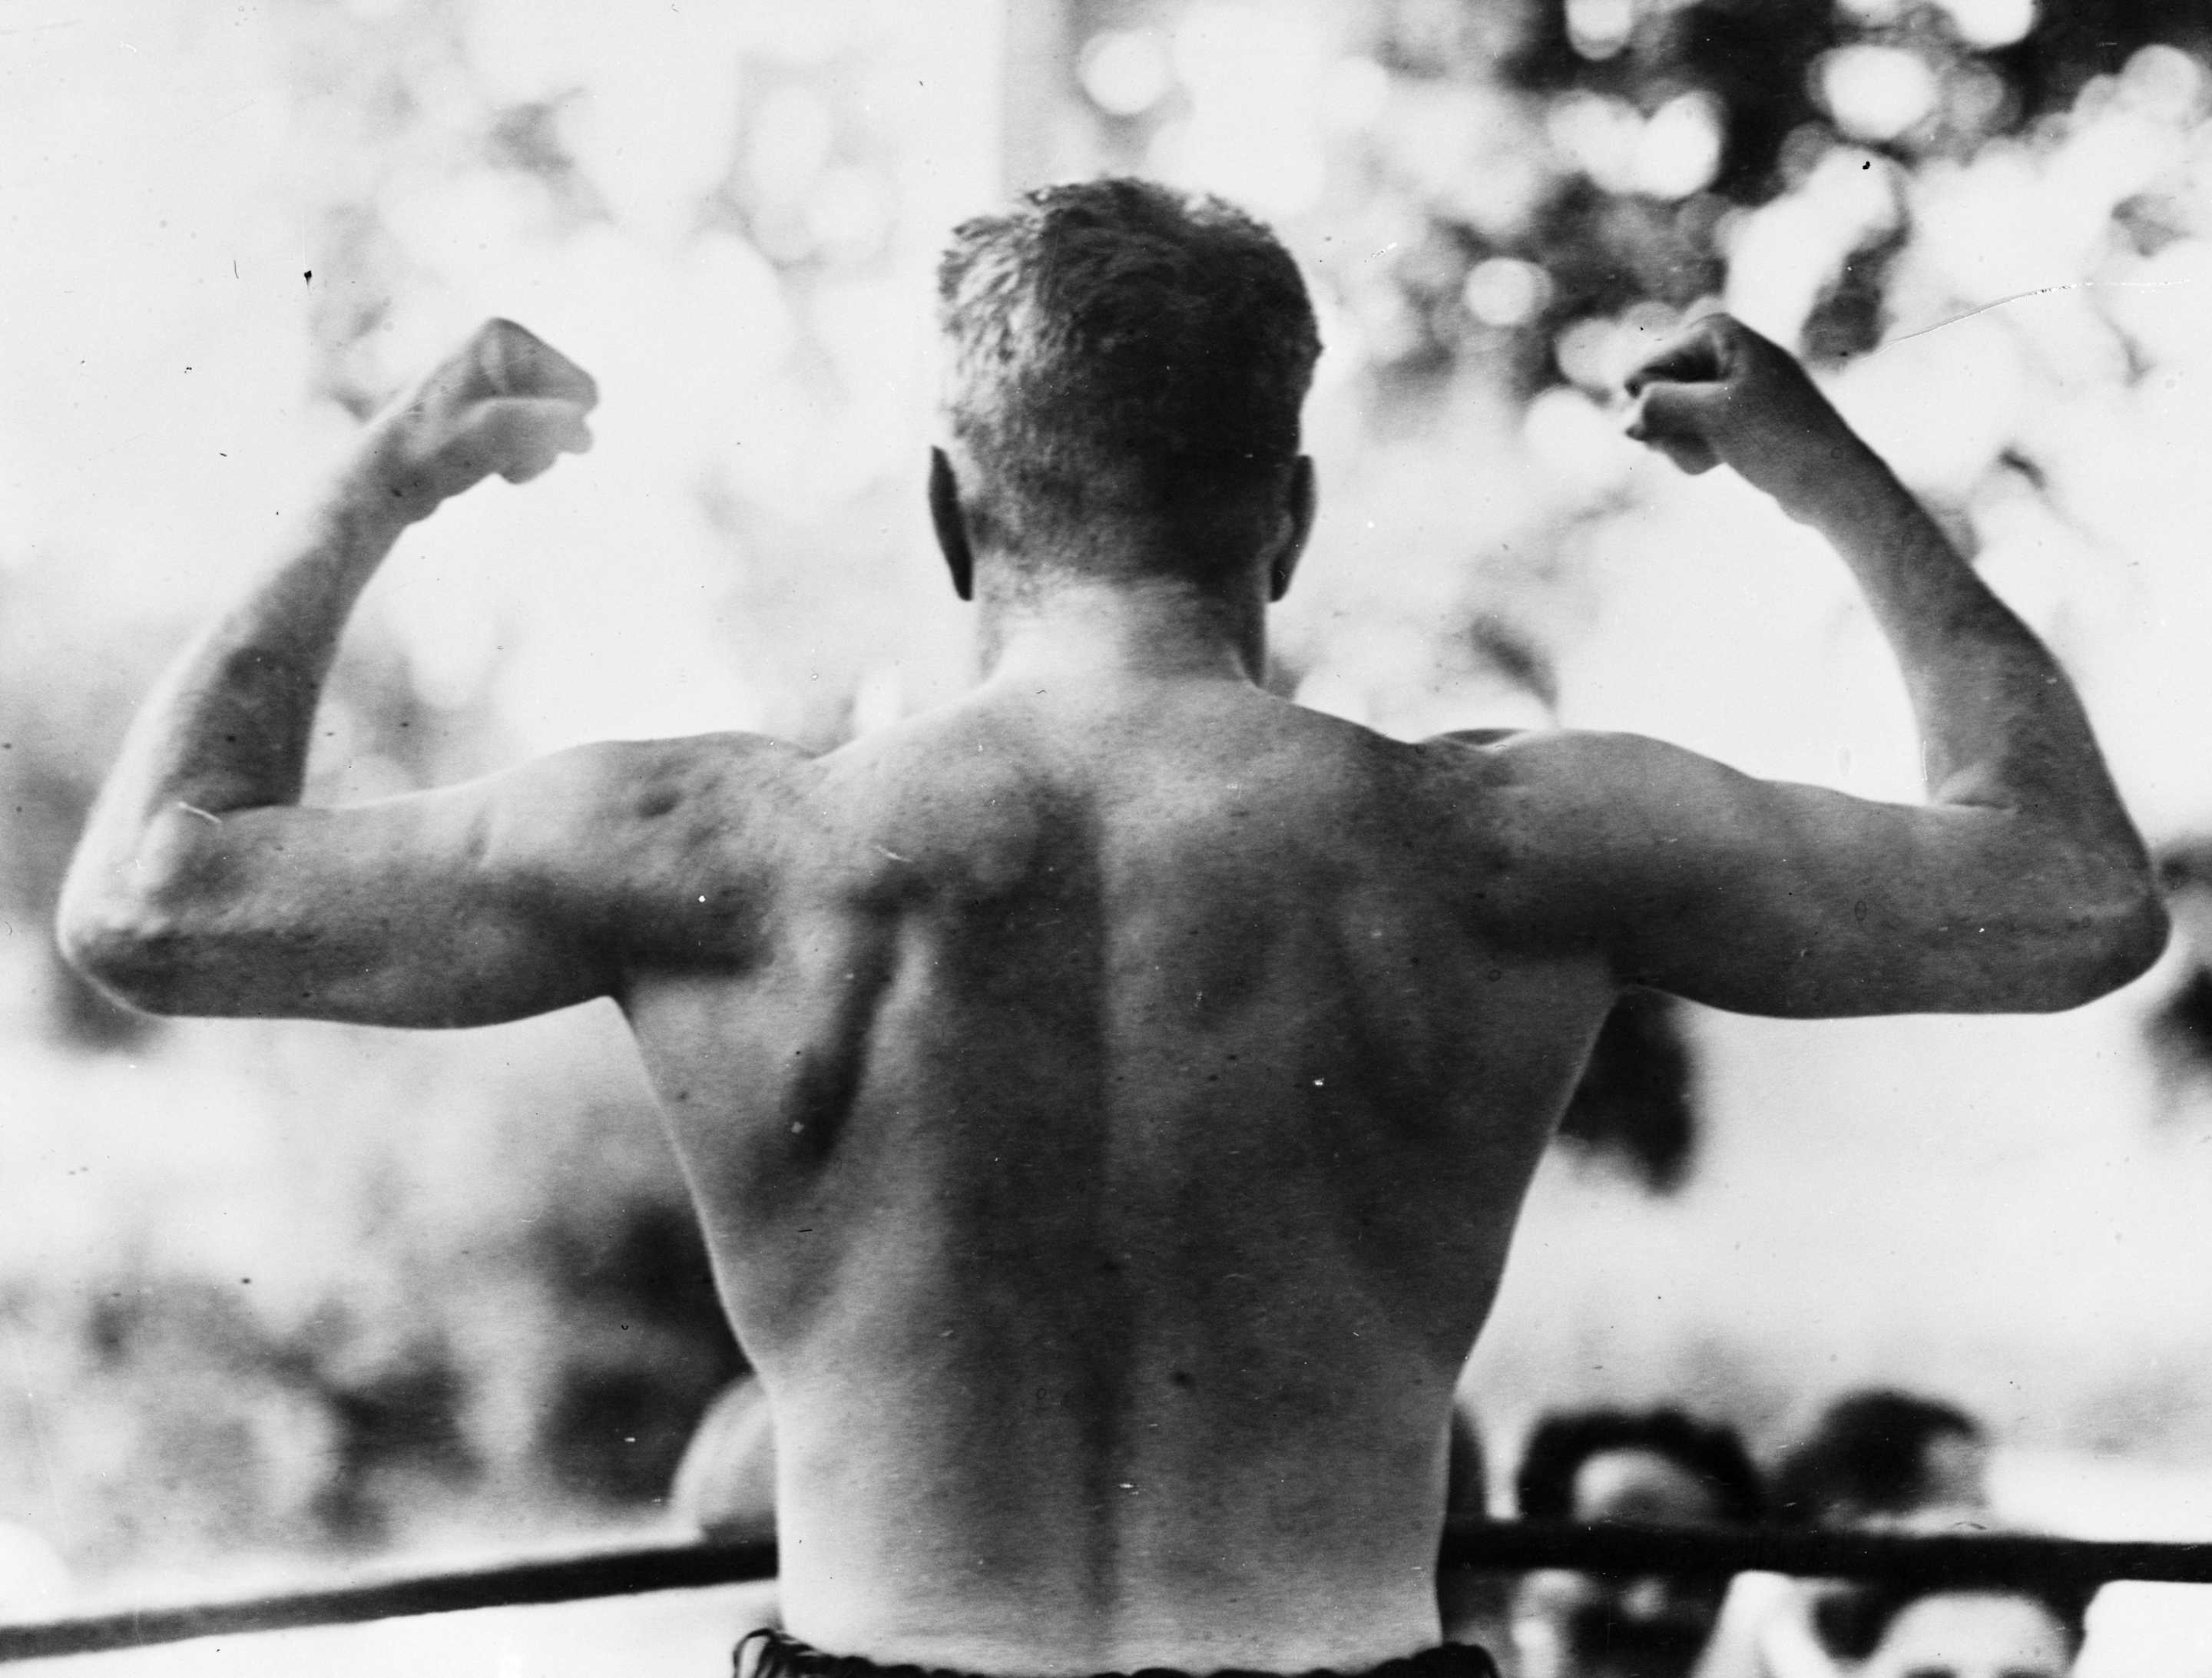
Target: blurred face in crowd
x=1601, y=1626
x=1971, y=1635
x=1956, y=1475
x=1954, y=1491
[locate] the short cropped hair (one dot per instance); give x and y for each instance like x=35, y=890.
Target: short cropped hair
x=1543, y=1487
x=1868, y=1455
x=1119, y=351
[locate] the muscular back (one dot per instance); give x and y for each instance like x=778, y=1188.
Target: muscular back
x=1109, y=1117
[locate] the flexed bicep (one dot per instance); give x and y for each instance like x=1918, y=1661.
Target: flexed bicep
x=532, y=890
x=1768, y=897
x=417, y=911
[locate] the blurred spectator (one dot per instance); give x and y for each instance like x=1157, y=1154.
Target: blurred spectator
x=33, y=1579
x=1879, y=1458
x=1658, y=1466
x=724, y=1488
x=726, y=1484
x=1909, y=1631
x=1466, y=1468
x=1470, y=1602
x=1876, y=1458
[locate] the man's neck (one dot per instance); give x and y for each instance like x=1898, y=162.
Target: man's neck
x=1059, y=629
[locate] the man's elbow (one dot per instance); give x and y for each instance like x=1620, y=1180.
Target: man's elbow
x=2112, y=946
x=2139, y=939
x=132, y=948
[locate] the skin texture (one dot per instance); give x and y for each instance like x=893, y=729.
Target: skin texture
x=1108, y=1099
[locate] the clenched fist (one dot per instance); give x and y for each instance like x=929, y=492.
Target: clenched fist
x=504, y=402
x=1719, y=391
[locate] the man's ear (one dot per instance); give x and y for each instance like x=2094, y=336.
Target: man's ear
x=951, y=527
x=1300, y=510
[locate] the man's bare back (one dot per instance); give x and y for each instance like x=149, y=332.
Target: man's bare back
x=1109, y=1100
x=1109, y=1129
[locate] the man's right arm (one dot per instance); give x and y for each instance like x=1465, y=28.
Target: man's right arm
x=2019, y=885
x=203, y=885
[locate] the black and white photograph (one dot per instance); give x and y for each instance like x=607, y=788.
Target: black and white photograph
x=1061, y=838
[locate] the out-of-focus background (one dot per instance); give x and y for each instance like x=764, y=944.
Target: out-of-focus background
x=272, y=1294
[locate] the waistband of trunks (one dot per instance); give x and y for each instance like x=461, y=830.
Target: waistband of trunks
x=770, y=1654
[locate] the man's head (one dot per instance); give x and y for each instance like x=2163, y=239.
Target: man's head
x=1657, y=1467
x=1126, y=367
x=1883, y=1457
x=1945, y=1632
x=1637, y=1465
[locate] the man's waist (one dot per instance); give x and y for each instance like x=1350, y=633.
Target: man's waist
x=771, y=1654
x=1259, y=1613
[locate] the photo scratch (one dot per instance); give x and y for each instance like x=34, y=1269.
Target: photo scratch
x=2023, y=297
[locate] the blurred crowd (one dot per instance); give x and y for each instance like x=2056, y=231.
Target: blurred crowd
x=1875, y=1459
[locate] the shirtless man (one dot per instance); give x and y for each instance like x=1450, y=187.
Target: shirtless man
x=1109, y=1097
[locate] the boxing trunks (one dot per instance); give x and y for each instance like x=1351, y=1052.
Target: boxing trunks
x=767, y=1654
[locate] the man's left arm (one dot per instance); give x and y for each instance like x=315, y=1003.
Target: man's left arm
x=201, y=885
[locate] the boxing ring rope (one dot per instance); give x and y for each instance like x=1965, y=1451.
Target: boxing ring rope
x=1961, y=1560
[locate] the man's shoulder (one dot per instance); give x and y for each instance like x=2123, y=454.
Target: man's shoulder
x=609, y=801
x=1529, y=760
x=605, y=778
x=663, y=845
x=1560, y=802
x=1574, y=763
